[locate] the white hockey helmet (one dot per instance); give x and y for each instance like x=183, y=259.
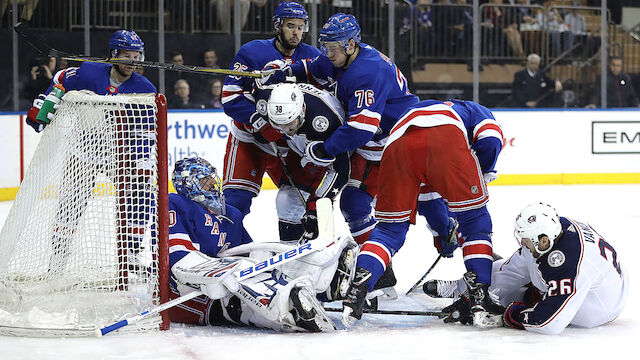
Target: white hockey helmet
x=286, y=104
x=537, y=220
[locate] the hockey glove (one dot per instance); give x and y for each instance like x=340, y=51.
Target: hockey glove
x=266, y=131
x=490, y=176
x=316, y=154
x=275, y=76
x=310, y=222
x=447, y=245
x=513, y=316
x=33, y=112
x=459, y=311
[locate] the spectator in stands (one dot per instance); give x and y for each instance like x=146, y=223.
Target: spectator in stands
x=201, y=85
x=181, y=98
x=40, y=75
x=175, y=57
x=532, y=87
x=620, y=91
x=498, y=27
x=223, y=11
x=214, y=101
x=551, y=21
x=210, y=59
x=577, y=28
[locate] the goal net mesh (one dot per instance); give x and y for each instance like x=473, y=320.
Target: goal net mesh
x=79, y=248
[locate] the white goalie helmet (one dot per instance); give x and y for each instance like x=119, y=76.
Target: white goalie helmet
x=536, y=220
x=286, y=104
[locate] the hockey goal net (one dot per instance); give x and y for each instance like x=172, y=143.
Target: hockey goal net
x=84, y=244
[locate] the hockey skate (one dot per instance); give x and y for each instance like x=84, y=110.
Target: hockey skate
x=354, y=304
x=440, y=288
x=486, y=312
x=344, y=273
x=307, y=312
x=384, y=288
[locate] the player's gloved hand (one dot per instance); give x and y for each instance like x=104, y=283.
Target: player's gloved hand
x=274, y=72
x=446, y=245
x=33, y=112
x=261, y=125
x=316, y=154
x=310, y=222
x=490, y=176
x=459, y=311
x=513, y=315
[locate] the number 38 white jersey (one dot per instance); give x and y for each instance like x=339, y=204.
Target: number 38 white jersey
x=581, y=278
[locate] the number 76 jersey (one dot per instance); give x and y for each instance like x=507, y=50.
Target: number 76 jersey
x=583, y=281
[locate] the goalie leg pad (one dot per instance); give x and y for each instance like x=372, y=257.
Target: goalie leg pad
x=267, y=302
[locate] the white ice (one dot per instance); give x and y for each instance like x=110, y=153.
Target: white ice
x=613, y=210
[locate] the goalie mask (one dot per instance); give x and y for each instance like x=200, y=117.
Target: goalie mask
x=196, y=179
x=286, y=108
x=537, y=220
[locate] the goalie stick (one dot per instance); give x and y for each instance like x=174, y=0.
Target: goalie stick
x=324, y=240
x=41, y=45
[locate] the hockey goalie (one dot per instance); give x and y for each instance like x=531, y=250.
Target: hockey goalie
x=208, y=245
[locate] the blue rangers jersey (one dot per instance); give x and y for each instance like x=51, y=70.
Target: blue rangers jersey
x=254, y=55
x=95, y=77
x=581, y=277
x=194, y=228
x=374, y=92
x=323, y=116
x=483, y=132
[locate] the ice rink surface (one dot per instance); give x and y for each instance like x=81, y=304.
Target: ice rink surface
x=613, y=210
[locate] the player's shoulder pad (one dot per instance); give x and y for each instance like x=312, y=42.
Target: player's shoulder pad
x=142, y=84
x=564, y=258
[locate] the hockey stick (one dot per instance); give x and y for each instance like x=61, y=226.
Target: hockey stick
x=415, y=286
x=396, y=312
x=40, y=44
x=324, y=240
x=453, y=238
x=287, y=173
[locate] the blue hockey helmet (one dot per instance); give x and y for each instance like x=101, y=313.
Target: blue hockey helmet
x=340, y=28
x=290, y=10
x=196, y=179
x=126, y=40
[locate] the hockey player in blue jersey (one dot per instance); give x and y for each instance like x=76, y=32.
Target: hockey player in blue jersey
x=376, y=95
x=249, y=154
x=106, y=79
x=304, y=114
x=486, y=139
x=102, y=79
x=202, y=228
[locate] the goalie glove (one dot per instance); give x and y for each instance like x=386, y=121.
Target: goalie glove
x=316, y=154
x=262, y=128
